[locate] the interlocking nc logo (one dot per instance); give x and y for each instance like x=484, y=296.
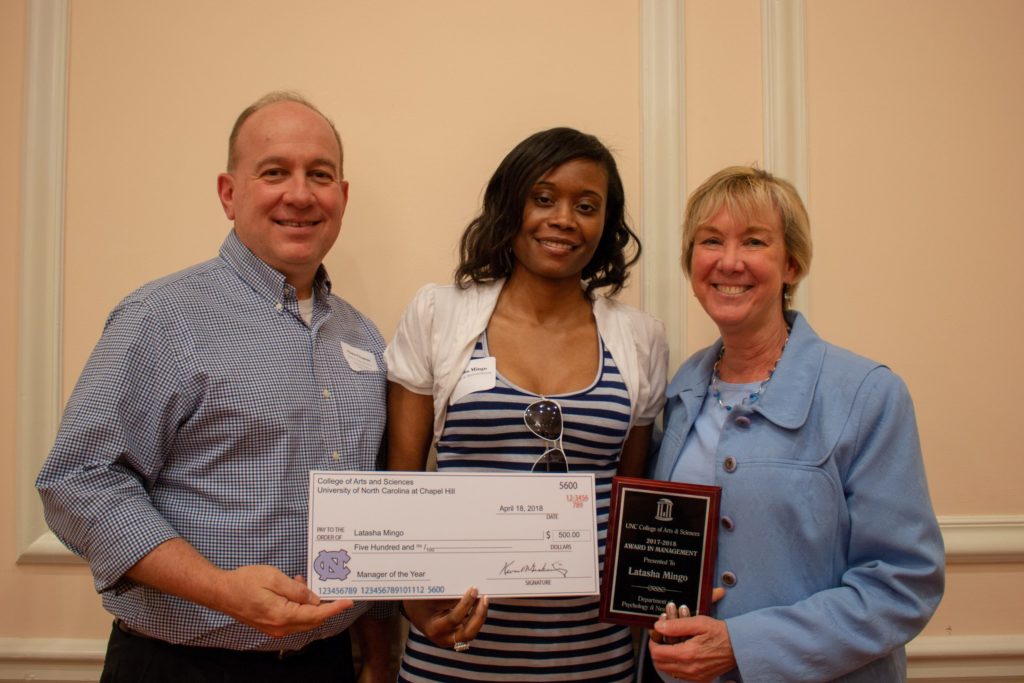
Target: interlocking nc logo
x=664, y=513
x=329, y=565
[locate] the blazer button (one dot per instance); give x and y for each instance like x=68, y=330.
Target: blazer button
x=728, y=579
x=742, y=421
x=728, y=524
x=729, y=464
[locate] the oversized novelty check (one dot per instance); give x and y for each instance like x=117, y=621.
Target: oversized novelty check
x=397, y=535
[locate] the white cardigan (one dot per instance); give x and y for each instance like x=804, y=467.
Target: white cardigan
x=436, y=335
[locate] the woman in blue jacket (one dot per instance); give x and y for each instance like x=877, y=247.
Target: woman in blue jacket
x=828, y=548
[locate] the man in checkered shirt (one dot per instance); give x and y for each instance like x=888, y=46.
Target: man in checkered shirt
x=180, y=470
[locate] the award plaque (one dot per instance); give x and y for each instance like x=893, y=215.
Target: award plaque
x=660, y=548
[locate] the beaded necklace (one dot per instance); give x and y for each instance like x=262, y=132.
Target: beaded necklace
x=752, y=398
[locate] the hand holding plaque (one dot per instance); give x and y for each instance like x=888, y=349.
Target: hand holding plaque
x=661, y=546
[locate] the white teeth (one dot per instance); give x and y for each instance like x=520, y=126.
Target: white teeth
x=731, y=289
x=562, y=246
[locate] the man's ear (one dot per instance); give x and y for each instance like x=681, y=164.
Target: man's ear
x=226, y=193
x=344, y=196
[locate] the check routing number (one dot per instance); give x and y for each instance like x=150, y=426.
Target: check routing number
x=396, y=535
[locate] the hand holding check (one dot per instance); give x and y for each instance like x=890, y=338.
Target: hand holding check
x=449, y=623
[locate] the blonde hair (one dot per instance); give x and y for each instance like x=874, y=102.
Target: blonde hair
x=749, y=191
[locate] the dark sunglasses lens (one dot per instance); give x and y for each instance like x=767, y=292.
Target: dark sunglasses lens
x=551, y=461
x=544, y=418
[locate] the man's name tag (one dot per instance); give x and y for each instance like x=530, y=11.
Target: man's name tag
x=480, y=375
x=397, y=535
x=358, y=359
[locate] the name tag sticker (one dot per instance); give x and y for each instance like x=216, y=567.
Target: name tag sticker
x=480, y=375
x=358, y=359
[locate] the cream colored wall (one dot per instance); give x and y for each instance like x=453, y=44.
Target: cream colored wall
x=428, y=98
x=914, y=147
x=916, y=150
x=35, y=600
x=12, y=46
x=924, y=129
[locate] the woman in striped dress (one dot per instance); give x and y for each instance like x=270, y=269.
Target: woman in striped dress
x=525, y=312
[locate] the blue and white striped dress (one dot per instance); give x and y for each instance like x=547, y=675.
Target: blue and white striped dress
x=548, y=639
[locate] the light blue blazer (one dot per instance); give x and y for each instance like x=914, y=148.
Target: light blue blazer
x=828, y=547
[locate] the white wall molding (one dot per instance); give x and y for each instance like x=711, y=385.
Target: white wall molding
x=784, y=102
x=663, y=178
x=938, y=659
x=51, y=659
x=783, y=45
x=47, y=549
x=983, y=538
x=40, y=303
x=932, y=659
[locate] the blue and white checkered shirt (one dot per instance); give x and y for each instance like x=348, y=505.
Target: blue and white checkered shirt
x=200, y=413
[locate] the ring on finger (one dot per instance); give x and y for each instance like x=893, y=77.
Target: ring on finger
x=461, y=646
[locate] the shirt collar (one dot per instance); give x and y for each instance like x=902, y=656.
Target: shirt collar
x=786, y=400
x=262, y=278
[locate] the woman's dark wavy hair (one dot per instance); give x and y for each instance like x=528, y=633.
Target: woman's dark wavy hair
x=485, y=250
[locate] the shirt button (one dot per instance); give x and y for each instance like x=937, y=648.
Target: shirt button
x=729, y=464
x=742, y=421
x=728, y=579
x=327, y=393
x=278, y=307
x=728, y=524
x=336, y=455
